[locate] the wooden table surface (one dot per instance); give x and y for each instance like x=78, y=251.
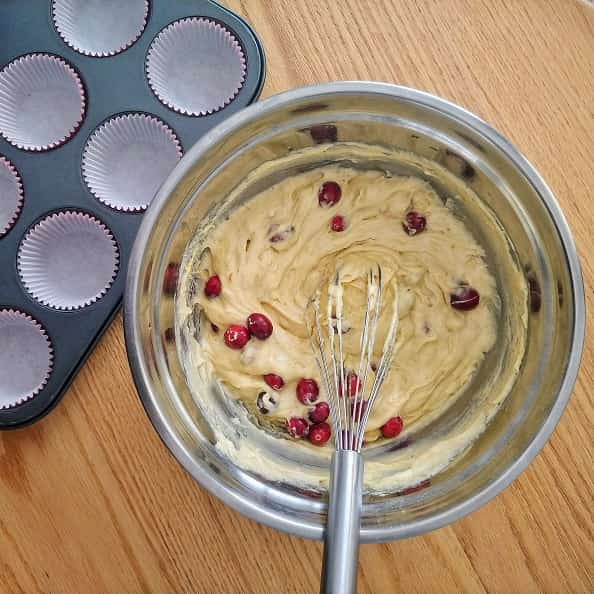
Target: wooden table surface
x=91, y=501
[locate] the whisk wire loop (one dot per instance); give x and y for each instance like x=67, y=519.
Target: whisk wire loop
x=350, y=412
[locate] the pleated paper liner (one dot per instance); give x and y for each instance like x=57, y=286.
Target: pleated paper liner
x=11, y=195
x=42, y=102
x=195, y=66
x=68, y=260
x=100, y=28
x=127, y=158
x=26, y=358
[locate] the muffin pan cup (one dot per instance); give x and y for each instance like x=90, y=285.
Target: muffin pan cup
x=68, y=260
x=42, y=102
x=182, y=79
x=25, y=358
x=53, y=181
x=100, y=28
x=127, y=158
x=11, y=195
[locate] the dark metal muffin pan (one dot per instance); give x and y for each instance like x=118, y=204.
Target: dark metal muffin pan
x=53, y=182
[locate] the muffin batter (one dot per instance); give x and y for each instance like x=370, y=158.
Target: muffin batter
x=272, y=253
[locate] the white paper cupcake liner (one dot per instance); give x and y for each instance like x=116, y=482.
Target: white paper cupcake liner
x=100, y=28
x=11, y=195
x=127, y=159
x=68, y=260
x=195, y=66
x=42, y=102
x=26, y=358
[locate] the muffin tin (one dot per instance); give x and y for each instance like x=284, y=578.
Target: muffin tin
x=98, y=101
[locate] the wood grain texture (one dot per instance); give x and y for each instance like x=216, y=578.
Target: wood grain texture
x=91, y=501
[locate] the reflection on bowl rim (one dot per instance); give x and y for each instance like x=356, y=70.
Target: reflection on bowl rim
x=251, y=507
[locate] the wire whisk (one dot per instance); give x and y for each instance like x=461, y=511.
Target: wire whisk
x=350, y=406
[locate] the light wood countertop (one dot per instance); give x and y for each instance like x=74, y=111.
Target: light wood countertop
x=90, y=499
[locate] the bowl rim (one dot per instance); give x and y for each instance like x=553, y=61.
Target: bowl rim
x=280, y=520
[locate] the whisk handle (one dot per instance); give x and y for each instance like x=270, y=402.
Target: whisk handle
x=341, y=546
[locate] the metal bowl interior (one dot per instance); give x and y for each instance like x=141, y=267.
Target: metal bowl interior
x=396, y=118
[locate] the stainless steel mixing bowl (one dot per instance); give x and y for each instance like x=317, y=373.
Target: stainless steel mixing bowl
x=395, y=117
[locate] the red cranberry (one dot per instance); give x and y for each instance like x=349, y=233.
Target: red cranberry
x=170, y=278
x=276, y=382
x=307, y=391
x=358, y=409
x=236, y=336
x=319, y=413
x=344, y=325
x=346, y=439
x=329, y=193
x=351, y=381
x=465, y=298
x=338, y=223
x=278, y=237
x=319, y=434
x=260, y=326
x=323, y=133
x=297, y=427
x=392, y=427
x=212, y=287
x=414, y=222
x=354, y=384
x=278, y=232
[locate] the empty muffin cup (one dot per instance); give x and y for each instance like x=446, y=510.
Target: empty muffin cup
x=11, y=195
x=26, y=358
x=195, y=66
x=100, y=28
x=127, y=159
x=68, y=260
x=42, y=102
